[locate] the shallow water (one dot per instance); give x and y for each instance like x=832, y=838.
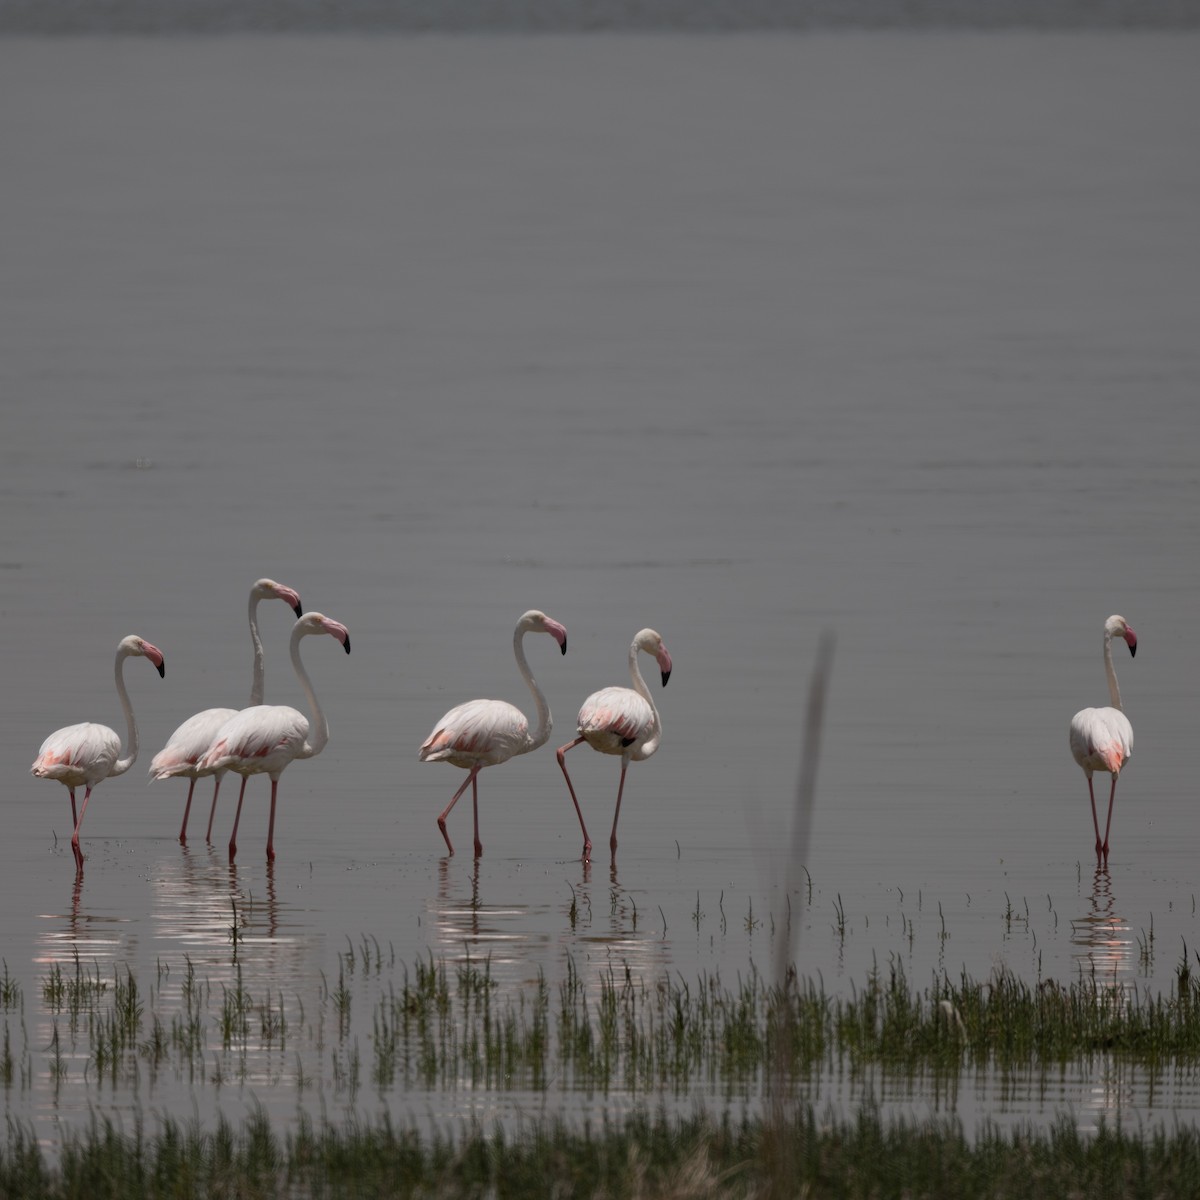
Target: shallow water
x=744, y=339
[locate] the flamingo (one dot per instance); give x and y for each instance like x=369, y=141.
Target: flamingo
x=87, y=753
x=624, y=721
x=262, y=740
x=482, y=733
x=1102, y=738
x=189, y=743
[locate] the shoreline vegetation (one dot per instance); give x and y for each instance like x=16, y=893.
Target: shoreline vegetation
x=661, y=1047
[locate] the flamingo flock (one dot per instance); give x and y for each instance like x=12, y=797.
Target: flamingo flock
x=264, y=739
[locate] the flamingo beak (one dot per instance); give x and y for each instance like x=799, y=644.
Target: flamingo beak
x=288, y=596
x=1130, y=640
x=664, y=663
x=154, y=654
x=558, y=633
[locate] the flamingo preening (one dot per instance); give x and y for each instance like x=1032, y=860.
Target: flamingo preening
x=1102, y=738
x=624, y=721
x=262, y=740
x=482, y=733
x=87, y=753
x=190, y=742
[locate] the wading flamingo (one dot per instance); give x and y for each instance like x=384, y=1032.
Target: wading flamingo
x=86, y=753
x=482, y=733
x=1102, y=738
x=264, y=739
x=624, y=721
x=190, y=742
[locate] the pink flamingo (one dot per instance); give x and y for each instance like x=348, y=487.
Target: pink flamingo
x=86, y=753
x=622, y=721
x=190, y=742
x=1102, y=738
x=264, y=739
x=482, y=733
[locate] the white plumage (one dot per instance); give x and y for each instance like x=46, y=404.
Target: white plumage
x=82, y=755
x=624, y=721
x=262, y=740
x=181, y=756
x=1102, y=738
x=482, y=733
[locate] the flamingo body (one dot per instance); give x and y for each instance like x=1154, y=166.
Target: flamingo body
x=620, y=720
x=482, y=733
x=181, y=756
x=83, y=755
x=1102, y=738
x=264, y=739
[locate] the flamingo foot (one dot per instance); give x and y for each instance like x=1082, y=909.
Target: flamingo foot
x=270, y=854
x=232, y=851
x=587, y=850
x=445, y=835
x=478, y=848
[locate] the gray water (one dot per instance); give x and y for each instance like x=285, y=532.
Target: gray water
x=746, y=339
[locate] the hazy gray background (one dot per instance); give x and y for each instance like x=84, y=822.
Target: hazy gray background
x=742, y=338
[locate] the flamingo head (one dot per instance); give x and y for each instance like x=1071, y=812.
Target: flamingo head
x=134, y=645
x=537, y=622
x=268, y=589
x=650, y=640
x=315, y=622
x=1117, y=626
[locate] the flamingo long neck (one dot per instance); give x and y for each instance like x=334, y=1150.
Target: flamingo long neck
x=639, y=685
x=258, y=684
x=131, y=742
x=544, y=721
x=318, y=729
x=1114, y=691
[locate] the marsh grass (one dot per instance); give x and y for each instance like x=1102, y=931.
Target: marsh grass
x=650, y=1156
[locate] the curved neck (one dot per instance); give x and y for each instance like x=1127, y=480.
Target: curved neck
x=258, y=683
x=318, y=730
x=544, y=721
x=1114, y=692
x=639, y=686
x=131, y=742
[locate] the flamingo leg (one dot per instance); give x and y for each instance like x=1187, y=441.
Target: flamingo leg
x=271, y=823
x=1095, y=823
x=453, y=802
x=612, y=841
x=187, y=808
x=236, y=819
x=1108, y=823
x=212, y=812
x=559, y=754
x=475, y=802
x=74, y=818
x=75, y=836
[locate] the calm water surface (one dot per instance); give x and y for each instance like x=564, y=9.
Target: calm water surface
x=744, y=339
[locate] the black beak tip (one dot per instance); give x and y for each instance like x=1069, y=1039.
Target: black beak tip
x=1133, y=650
x=564, y=645
x=162, y=669
x=298, y=609
x=346, y=643
x=666, y=676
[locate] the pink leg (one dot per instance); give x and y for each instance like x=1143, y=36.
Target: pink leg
x=271, y=823
x=236, y=819
x=74, y=818
x=612, y=841
x=187, y=808
x=1108, y=823
x=75, y=837
x=475, y=803
x=453, y=801
x=212, y=812
x=1095, y=823
x=560, y=755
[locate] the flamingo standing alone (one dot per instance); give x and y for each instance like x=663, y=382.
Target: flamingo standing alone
x=87, y=753
x=622, y=721
x=264, y=739
x=482, y=733
x=1102, y=738
x=190, y=742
